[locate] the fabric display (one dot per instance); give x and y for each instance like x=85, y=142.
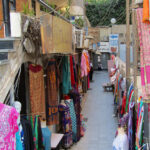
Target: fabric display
x=77, y=100
x=144, y=34
x=37, y=90
x=140, y=121
x=131, y=126
x=85, y=63
x=19, y=145
x=73, y=72
x=34, y=137
x=52, y=94
x=63, y=80
x=46, y=138
x=131, y=137
x=70, y=104
x=129, y=99
x=27, y=134
x=8, y=127
x=146, y=11
x=66, y=125
x=121, y=141
x=66, y=81
x=71, y=118
x=38, y=137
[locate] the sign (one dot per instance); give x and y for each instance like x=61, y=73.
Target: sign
x=104, y=47
x=113, y=42
x=56, y=35
x=94, y=46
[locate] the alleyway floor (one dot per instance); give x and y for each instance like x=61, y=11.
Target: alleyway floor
x=98, y=109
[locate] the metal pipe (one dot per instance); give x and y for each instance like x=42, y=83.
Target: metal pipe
x=13, y=5
x=55, y=12
x=6, y=17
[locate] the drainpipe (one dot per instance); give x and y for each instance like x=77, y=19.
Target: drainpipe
x=13, y=5
x=6, y=17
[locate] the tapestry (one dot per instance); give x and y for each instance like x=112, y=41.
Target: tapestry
x=37, y=92
x=144, y=38
x=52, y=94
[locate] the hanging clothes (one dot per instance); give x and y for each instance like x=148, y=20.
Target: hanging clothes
x=46, y=138
x=146, y=11
x=123, y=122
x=66, y=125
x=85, y=64
x=131, y=127
x=121, y=142
x=75, y=71
x=38, y=141
x=140, y=121
x=19, y=145
x=66, y=81
x=8, y=127
x=65, y=118
x=73, y=83
x=70, y=104
x=52, y=94
x=129, y=94
x=123, y=104
x=28, y=134
x=144, y=34
x=77, y=105
x=37, y=90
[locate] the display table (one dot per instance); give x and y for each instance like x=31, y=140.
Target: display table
x=55, y=140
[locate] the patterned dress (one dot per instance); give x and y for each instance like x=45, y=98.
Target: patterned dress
x=66, y=125
x=70, y=104
x=8, y=127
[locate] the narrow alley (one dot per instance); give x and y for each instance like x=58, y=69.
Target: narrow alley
x=74, y=75
x=98, y=110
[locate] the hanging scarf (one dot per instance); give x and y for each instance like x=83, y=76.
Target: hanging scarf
x=139, y=132
x=66, y=81
x=131, y=137
x=128, y=95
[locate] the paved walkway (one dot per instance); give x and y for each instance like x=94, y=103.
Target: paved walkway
x=98, y=108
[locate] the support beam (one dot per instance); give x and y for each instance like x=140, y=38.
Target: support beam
x=37, y=7
x=135, y=51
x=127, y=42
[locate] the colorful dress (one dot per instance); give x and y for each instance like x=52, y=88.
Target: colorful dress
x=70, y=104
x=8, y=127
x=66, y=125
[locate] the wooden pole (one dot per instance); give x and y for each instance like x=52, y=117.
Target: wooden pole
x=135, y=50
x=37, y=9
x=127, y=42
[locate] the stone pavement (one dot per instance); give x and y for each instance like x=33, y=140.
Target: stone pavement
x=98, y=108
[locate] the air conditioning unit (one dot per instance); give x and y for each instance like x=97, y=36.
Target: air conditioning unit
x=79, y=38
